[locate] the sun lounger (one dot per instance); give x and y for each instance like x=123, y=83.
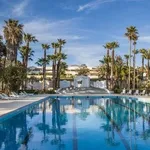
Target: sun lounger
x=30, y=94
x=137, y=92
x=143, y=92
x=123, y=92
x=130, y=92
x=3, y=97
x=14, y=94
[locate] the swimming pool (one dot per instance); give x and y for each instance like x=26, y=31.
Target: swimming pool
x=79, y=123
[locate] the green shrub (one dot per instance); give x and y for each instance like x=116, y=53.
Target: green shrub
x=117, y=90
x=12, y=76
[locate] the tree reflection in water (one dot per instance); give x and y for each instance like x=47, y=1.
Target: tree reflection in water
x=82, y=105
x=124, y=113
x=24, y=143
x=109, y=127
x=59, y=118
x=43, y=126
x=8, y=132
x=126, y=117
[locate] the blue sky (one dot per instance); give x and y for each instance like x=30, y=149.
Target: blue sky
x=85, y=24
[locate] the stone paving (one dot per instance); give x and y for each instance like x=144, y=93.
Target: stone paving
x=7, y=106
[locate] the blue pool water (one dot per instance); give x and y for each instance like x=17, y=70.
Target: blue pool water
x=79, y=124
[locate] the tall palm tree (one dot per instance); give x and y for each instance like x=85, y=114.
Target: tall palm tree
x=45, y=47
x=113, y=46
x=130, y=33
x=134, y=63
x=147, y=56
x=127, y=59
x=61, y=43
x=13, y=33
x=26, y=52
x=142, y=51
x=28, y=38
x=107, y=46
x=55, y=46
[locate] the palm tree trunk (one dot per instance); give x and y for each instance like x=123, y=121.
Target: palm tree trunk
x=127, y=62
x=142, y=67
x=134, y=72
x=137, y=80
x=26, y=63
x=15, y=48
x=148, y=69
x=58, y=74
x=112, y=68
x=58, y=71
x=54, y=71
x=130, y=65
x=26, y=57
x=44, y=72
x=107, y=76
x=53, y=76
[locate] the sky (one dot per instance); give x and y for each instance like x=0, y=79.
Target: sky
x=86, y=25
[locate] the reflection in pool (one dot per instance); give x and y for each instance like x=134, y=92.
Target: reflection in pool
x=79, y=124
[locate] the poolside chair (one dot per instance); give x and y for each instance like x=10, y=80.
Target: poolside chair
x=64, y=92
x=123, y=91
x=130, y=92
x=14, y=94
x=3, y=97
x=28, y=94
x=21, y=93
x=137, y=92
x=7, y=96
x=143, y=92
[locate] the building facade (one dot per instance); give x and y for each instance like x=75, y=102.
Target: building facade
x=71, y=72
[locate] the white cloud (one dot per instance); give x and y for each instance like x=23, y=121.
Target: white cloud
x=145, y=39
x=93, y=5
x=19, y=9
x=48, y=31
x=89, y=54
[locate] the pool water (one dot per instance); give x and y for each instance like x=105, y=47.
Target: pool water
x=79, y=124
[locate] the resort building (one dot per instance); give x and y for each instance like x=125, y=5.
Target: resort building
x=70, y=73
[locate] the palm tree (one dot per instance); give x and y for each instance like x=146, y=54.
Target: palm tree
x=2, y=58
x=61, y=43
x=147, y=56
x=107, y=46
x=134, y=63
x=127, y=59
x=2, y=50
x=55, y=46
x=131, y=32
x=113, y=46
x=64, y=67
x=142, y=51
x=23, y=52
x=13, y=33
x=28, y=38
x=45, y=47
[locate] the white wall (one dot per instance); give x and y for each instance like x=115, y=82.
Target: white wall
x=85, y=81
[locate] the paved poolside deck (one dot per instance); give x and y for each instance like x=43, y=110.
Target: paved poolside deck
x=7, y=106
